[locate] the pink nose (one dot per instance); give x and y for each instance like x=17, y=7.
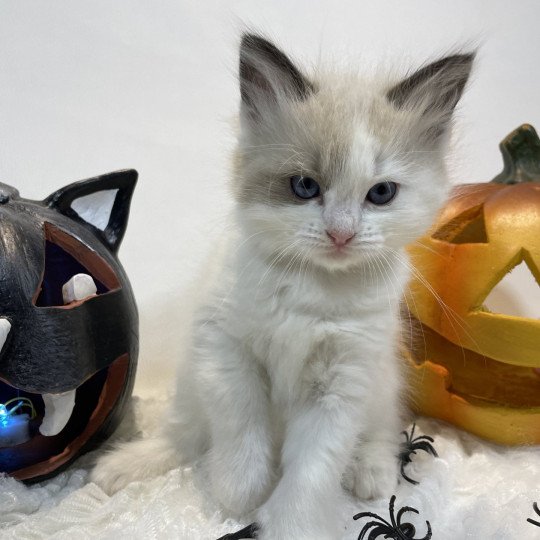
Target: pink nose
x=340, y=238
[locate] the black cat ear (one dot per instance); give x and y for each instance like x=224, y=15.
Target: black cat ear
x=101, y=204
x=267, y=75
x=435, y=89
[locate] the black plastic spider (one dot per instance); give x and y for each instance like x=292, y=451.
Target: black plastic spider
x=247, y=532
x=537, y=511
x=395, y=529
x=410, y=446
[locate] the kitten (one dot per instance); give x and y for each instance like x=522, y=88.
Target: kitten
x=294, y=381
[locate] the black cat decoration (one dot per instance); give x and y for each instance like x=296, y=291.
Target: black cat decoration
x=68, y=323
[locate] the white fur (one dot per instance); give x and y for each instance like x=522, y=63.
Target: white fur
x=293, y=383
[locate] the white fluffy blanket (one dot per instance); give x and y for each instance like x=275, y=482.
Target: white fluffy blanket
x=474, y=490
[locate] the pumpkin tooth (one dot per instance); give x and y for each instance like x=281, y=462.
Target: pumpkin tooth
x=79, y=287
x=5, y=327
x=58, y=409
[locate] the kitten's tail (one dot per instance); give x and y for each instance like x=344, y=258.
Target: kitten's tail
x=135, y=461
x=182, y=438
x=181, y=441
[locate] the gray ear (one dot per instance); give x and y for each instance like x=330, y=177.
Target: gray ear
x=267, y=74
x=434, y=89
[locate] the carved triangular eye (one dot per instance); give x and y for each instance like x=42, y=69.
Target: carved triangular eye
x=66, y=257
x=524, y=301
x=468, y=227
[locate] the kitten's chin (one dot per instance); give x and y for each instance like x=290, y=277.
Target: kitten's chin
x=339, y=260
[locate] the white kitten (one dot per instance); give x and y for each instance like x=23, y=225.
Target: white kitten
x=294, y=378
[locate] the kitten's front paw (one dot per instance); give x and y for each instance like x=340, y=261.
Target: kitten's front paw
x=300, y=514
x=372, y=479
x=241, y=483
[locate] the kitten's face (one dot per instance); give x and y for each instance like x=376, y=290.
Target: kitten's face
x=334, y=173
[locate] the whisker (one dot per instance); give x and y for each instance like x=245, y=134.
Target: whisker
x=452, y=317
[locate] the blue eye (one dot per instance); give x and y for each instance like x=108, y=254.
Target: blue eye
x=305, y=187
x=382, y=193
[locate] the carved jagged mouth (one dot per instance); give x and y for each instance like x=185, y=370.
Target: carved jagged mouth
x=472, y=375
x=27, y=452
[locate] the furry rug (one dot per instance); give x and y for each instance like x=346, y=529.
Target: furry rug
x=473, y=490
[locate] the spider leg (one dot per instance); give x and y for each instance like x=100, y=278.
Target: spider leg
x=402, y=467
x=380, y=530
x=409, y=449
x=404, y=510
x=391, y=511
x=375, y=525
x=247, y=532
x=371, y=515
x=426, y=447
x=408, y=478
x=406, y=452
x=424, y=438
x=407, y=438
x=428, y=534
x=537, y=511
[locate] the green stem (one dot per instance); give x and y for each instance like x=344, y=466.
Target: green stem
x=521, y=157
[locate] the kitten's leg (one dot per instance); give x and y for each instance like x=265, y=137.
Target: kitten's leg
x=373, y=469
x=236, y=404
x=319, y=440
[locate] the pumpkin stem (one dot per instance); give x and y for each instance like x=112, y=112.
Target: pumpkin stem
x=521, y=156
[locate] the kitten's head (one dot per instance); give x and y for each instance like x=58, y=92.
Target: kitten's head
x=335, y=170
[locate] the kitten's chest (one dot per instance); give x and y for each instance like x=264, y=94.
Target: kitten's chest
x=297, y=333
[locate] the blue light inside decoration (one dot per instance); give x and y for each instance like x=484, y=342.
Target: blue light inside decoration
x=4, y=415
x=13, y=427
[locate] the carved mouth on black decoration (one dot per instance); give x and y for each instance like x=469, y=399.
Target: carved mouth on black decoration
x=93, y=401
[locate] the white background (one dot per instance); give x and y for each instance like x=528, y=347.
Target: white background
x=90, y=87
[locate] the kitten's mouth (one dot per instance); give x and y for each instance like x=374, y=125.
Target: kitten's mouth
x=339, y=252
x=337, y=258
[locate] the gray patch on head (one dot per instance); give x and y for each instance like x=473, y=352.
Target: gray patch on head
x=266, y=188
x=308, y=139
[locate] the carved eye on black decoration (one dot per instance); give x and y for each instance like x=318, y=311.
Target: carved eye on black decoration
x=305, y=187
x=382, y=193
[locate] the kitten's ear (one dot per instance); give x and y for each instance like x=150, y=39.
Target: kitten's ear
x=101, y=204
x=267, y=75
x=434, y=90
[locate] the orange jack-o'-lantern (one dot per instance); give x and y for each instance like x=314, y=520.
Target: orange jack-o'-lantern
x=475, y=368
